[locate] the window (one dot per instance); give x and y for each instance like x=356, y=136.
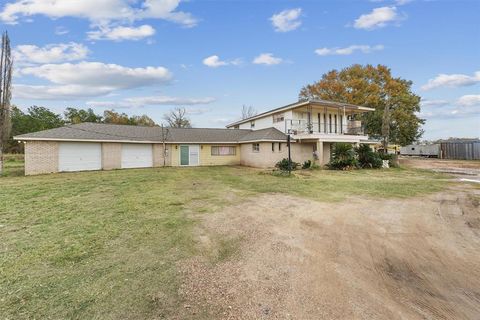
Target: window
x=279, y=146
x=325, y=122
x=224, y=151
x=335, y=123
x=252, y=124
x=273, y=146
x=279, y=117
x=330, y=123
x=256, y=147
x=341, y=124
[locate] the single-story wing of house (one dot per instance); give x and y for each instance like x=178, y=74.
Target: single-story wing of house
x=259, y=141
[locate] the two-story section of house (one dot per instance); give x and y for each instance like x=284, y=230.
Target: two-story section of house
x=313, y=127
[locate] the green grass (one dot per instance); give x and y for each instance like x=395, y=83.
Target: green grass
x=107, y=244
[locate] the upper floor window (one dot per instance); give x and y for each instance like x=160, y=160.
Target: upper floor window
x=279, y=146
x=273, y=146
x=224, y=150
x=256, y=147
x=252, y=124
x=278, y=117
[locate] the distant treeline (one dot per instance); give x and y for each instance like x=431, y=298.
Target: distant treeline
x=41, y=118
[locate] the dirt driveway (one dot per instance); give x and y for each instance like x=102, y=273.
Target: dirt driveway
x=292, y=258
x=464, y=170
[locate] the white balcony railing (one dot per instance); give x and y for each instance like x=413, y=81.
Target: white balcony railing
x=349, y=127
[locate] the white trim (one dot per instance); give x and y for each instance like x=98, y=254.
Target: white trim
x=129, y=141
x=119, y=141
x=180, y=155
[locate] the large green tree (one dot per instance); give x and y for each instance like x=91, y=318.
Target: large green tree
x=73, y=115
x=35, y=119
x=396, y=106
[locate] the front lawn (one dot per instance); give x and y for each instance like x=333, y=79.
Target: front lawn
x=106, y=244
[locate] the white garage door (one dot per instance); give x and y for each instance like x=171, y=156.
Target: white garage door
x=137, y=155
x=79, y=156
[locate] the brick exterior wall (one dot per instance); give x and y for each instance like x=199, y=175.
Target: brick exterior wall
x=158, y=155
x=266, y=158
x=111, y=155
x=41, y=157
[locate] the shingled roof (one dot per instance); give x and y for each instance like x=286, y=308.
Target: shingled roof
x=127, y=133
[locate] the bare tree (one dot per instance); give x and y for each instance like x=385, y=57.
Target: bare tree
x=248, y=112
x=6, y=64
x=177, y=118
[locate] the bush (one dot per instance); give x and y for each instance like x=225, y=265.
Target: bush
x=367, y=158
x=283, y=164
x=392, y=159
x=343, y=157
x=307, y=164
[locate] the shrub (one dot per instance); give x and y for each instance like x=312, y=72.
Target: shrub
x=368, y=158
x=343, y=157
x=283, y=164
x=307, y=164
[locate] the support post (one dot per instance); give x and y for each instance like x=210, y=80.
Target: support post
x=289, y=155
x=320, y=153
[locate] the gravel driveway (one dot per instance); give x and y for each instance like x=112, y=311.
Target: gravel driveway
x=414, y=258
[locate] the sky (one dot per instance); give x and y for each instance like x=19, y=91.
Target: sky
x=213, y=57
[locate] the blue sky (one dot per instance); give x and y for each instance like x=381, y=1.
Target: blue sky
x=212, y=57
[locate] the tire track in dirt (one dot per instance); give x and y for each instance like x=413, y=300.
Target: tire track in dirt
x=365, y=259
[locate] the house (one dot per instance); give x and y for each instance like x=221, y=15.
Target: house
x=259, y=141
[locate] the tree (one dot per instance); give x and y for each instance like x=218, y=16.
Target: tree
x=177, y=118
x=6, y=65
x=396, y=106
x=110, y=116
x=35, y=119
x=74, y=116
x=248, y=112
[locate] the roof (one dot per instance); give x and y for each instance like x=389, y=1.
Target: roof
x=297, y=104
x=141, y=134
x=268, y=134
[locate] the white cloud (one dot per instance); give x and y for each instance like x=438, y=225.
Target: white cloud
x=287, y=20
x=267, y=59
x=348, y=50
x=215, y=62
x=469, y=100
x=60, y=31
x=97, y=11
x=87, y=79
x=61, y=52
x=467, y=105
x=433, y=103
x=137, y=102
x=452, y=80
x=121, y=33
x=99, y=74
x=378, y=18
x=63, y=92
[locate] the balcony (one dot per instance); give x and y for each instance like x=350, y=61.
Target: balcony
x=305, y=129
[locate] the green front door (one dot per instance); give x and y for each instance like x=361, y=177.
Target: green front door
x=184, y=155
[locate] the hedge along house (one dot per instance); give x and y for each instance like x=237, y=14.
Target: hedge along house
x=260, y=141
